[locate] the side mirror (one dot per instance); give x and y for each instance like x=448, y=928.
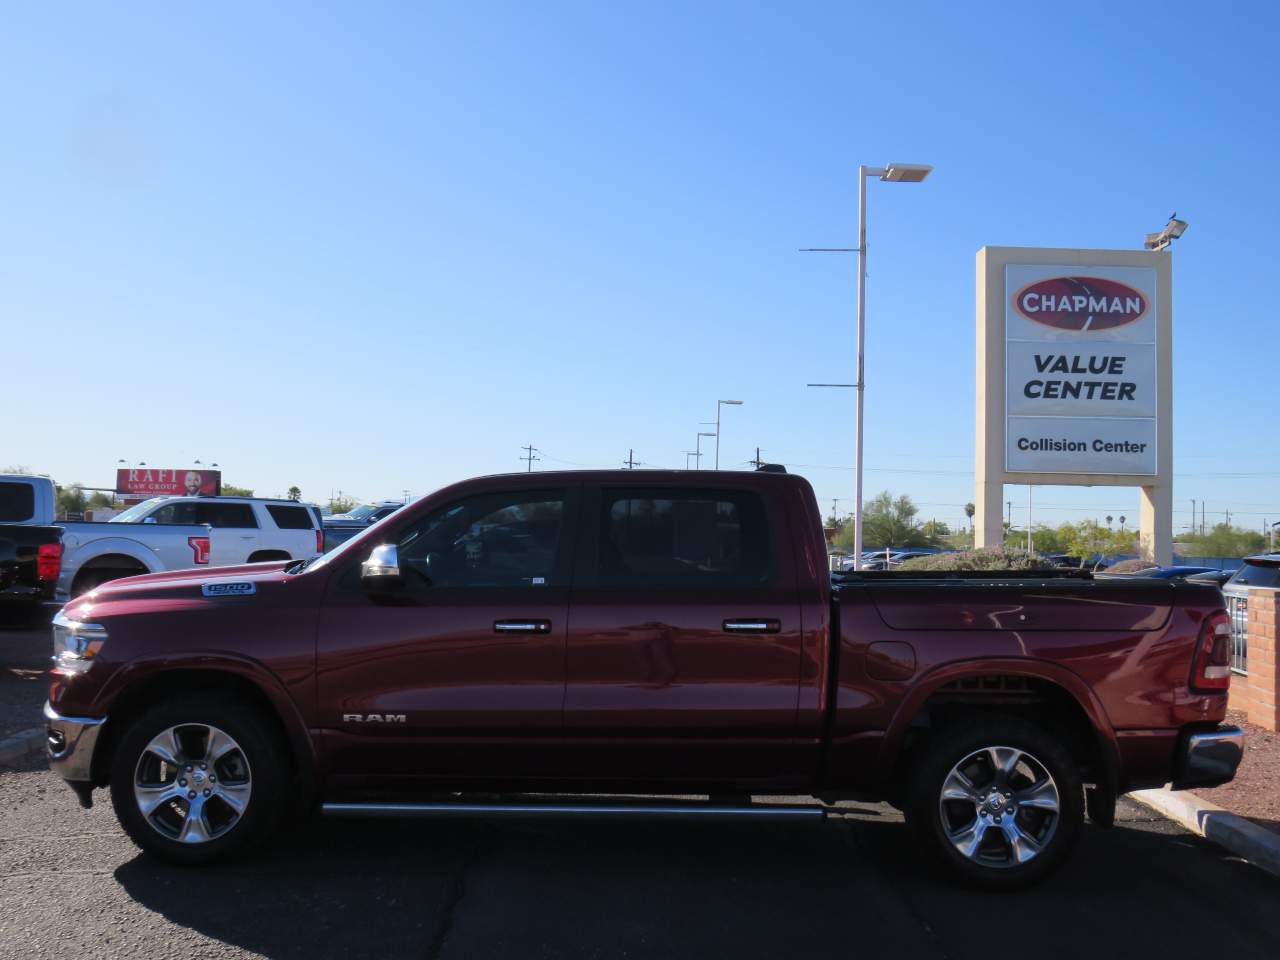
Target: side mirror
x=150, y=520
x=381, y=572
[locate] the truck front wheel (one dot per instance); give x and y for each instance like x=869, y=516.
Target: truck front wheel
x=199, y=778
x=997, y=800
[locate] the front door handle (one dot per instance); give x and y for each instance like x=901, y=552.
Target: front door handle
x=752, y=625
x=522, y=626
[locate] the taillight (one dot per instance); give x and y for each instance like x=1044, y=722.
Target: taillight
x=319, y=541
x=1211, y=669
x=199, y=547
x=48, y=562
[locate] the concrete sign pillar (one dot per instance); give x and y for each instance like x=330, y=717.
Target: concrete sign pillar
x=1075, y=380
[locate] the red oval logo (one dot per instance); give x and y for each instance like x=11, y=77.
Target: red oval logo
x=1081, y=303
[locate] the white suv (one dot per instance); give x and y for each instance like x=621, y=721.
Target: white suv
x=249, y=530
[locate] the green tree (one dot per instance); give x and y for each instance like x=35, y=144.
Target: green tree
x=1223, y=540
x=230, y=490
x=100, y=501
x=887, y=521
x=71, y=499
x=935, y=531
x=342, y=504
x=295, y=493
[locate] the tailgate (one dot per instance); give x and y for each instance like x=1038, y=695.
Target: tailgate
x=1074, y=605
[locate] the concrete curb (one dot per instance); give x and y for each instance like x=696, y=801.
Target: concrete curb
x=21, y=745
x=1235, y=834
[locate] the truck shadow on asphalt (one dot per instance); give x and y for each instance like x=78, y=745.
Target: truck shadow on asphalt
x=846, y=887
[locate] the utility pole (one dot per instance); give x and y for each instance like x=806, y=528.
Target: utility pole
x=1008, y=515
x=1193, y=514
x=757, y=462
x=631, y=462
x=529, y=456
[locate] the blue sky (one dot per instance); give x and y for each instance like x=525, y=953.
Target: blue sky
x=383, y=246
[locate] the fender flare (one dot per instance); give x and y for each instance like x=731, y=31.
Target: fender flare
x=244, y=668
x=123, y=546
x=929, y=683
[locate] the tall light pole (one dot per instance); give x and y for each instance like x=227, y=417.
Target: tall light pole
x=891, y=173
x=719, y=404
x=697, y=446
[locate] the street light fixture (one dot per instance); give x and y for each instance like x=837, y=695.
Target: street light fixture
x=719, y=404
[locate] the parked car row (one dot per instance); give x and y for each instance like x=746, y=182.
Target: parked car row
x=154, y=536
x=595, y=643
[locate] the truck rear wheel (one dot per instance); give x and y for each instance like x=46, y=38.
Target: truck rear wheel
x=199, y=779
x=997, y=800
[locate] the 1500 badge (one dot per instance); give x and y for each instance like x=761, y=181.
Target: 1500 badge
x=229, y=589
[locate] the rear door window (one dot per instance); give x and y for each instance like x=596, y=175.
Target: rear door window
x=682, y=538
x=17, y=502
x=289, y=518
x=227, y=515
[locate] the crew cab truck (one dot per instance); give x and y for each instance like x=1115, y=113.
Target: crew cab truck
x=510, y=645
x=30, y=547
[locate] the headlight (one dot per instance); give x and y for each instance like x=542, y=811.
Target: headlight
x=76, y=643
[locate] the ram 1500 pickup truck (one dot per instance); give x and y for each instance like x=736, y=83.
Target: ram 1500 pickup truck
x=586, y=643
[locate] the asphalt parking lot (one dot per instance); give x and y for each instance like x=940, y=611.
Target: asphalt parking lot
x=71, y=885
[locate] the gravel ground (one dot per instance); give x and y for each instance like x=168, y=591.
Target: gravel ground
x=73, y=886
x=24, y=658
x=1255, y=791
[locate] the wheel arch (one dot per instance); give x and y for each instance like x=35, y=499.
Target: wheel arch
x=136, y=688
x=1038, y=687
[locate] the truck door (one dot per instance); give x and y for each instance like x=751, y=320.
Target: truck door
x=461, y=675
x=684, y=647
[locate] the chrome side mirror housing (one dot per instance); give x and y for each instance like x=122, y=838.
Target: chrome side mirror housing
x=382, y=570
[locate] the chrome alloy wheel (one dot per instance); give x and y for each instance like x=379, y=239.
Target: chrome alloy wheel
x=192, y=783
x=999, y=806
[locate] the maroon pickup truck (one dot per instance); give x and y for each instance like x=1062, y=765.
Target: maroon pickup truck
x=586, y=644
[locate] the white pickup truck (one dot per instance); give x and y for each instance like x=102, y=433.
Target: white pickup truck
x=166, y=533
x=175, y=533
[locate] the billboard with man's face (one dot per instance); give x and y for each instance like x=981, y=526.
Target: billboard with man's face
x=149, y=482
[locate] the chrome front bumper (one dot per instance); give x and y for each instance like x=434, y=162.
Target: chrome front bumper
x=1210, y=758
x=70, y=744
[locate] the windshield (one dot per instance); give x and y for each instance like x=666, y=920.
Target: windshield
x=136, y=512
x=360, y=512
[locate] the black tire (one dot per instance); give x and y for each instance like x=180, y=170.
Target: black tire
x=940, y=824
x=260, y=752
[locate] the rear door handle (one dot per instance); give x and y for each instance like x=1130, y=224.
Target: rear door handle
x=752, y=625
x=522, y=626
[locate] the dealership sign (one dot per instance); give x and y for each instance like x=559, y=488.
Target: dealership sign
x=146, y=482
x=1081, y=385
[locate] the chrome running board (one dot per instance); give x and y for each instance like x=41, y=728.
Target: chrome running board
x=594, y=811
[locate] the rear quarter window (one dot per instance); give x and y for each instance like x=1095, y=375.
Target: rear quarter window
x=17, y=502
x=290, y=518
